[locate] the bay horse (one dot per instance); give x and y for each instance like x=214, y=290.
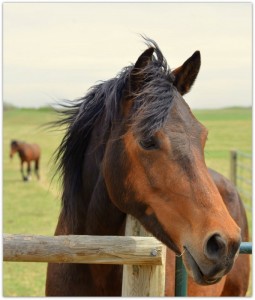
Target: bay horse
x=27, y=153
x=133, y=146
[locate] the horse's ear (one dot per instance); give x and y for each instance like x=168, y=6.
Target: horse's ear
x=186, y=74
x=137, y=75
x=143, y=59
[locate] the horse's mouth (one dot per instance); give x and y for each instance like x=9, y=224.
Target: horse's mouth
x=197, y=274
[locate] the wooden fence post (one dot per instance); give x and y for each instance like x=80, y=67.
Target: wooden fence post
x=140, y=280
x=233, y=161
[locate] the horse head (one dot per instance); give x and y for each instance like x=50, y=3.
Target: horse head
x=154, y=168
x=13, y=148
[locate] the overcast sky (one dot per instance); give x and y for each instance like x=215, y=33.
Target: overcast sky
x=54, y=51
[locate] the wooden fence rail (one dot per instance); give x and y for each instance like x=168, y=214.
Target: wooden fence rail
x=83, y=249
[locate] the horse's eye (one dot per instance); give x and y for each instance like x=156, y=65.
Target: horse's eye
x=149, y=144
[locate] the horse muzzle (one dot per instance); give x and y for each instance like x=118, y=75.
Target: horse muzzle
x=217, y=260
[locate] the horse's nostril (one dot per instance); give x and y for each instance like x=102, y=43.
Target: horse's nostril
x=215, y=247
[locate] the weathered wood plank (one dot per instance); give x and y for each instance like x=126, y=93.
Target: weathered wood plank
x=82, y=249
x=141, y=280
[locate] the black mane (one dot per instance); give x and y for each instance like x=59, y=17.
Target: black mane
x=103, y=101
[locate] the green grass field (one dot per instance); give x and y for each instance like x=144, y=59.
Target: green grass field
x=33, y=207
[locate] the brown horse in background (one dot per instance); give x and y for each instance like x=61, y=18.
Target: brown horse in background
x=133, y=146
x=27, y=153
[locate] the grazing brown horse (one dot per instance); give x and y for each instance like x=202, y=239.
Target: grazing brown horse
x=27, y=153
x=133, y=146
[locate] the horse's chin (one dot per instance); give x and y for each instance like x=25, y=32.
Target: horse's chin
x=195, y=272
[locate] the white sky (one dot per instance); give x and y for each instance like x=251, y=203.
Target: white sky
x=54, y=51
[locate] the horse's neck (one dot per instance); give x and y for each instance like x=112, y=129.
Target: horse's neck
x=20, y=148
x=95, y=213
x=103, y=218
x=20, y=151
x=20, y=145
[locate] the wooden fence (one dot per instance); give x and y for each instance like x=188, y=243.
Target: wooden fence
x=142, y=255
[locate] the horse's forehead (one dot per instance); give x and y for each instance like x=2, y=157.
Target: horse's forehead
x=180, y=114
x=182, y=128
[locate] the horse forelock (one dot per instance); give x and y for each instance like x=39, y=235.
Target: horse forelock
x=153, y=100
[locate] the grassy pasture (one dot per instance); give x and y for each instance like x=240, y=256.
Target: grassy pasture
x=33, y=207
x=29, y=207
